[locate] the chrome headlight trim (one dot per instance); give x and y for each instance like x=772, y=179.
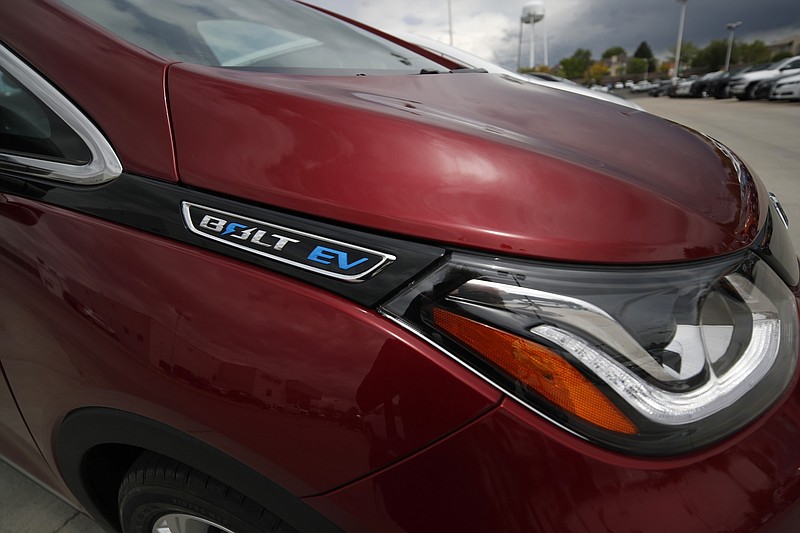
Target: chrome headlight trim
x=733, y=333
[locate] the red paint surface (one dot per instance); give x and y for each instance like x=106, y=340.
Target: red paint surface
x=94, y=314
x=507, y=473
x=469, y=160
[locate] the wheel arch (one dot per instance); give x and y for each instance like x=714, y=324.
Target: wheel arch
x=95, y=446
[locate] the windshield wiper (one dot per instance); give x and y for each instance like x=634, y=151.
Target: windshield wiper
x=454, y=71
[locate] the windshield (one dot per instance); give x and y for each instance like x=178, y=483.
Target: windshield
x=270, y=35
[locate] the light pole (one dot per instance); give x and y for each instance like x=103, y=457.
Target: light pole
x=680, y=40
x=546, y=58
x=731, y=26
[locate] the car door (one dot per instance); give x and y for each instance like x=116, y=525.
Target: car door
x=33, y=140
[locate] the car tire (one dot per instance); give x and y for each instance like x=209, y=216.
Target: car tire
x=161, y=495
x=749, y=92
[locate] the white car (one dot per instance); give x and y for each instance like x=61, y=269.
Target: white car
x=642, y=86
x=786, y=89
x=683, y=88
x=744, y=85
x=472, y=61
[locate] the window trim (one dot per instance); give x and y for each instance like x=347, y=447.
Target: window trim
x=104, y=164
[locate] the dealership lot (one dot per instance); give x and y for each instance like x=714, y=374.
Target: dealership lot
x=765, y=135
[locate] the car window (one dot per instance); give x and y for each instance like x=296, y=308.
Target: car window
x=43, y=134
x=240, y=42
x=29, y=128
x=794, y=64
x=272, y=35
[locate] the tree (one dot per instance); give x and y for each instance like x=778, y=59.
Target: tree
x=644, y=52
x=755, y=52
x=713, y=56
x=595, y=73
x=637, y=65
x=688, y=52
x=613, y=51
x=575, y=66
x=781, y=55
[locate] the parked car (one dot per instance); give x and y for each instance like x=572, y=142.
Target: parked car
x=235, y=234
x=787, y=88
x=763, y=89
x=701, y=87
x=743, y=85
x=718, y=87
x=643, y=86
x=683, y=88
x=662, y=89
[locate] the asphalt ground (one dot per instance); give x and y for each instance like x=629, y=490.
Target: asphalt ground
x=25, y=507
x=765, y=134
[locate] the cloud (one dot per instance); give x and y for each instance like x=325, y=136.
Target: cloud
x=411, y=20
x=490, y=28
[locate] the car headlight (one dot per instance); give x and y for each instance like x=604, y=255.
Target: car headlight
x=647, y=360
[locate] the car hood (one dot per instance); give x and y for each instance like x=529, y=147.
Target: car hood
x=465, y=58
x=469, y=160
x=583, y=91
x=757, y=75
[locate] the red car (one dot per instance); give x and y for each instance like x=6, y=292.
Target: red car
x=265, y=269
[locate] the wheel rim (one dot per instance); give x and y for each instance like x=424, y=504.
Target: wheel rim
x=185, y=523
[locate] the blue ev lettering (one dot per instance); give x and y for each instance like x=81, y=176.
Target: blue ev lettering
x=326, y=255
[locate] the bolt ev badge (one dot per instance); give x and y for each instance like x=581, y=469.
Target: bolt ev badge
x=328, y=257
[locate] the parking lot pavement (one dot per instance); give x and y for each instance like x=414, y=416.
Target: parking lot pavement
x=27, y=508
x=765, y=134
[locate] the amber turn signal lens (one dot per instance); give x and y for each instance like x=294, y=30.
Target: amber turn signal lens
x=540, y=369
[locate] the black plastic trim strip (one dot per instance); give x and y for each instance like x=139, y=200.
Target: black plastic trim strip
x=88, y=428
x=155, y=206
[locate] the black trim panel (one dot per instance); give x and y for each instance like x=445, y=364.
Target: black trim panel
x=90, y=427
x=155, y=207
x=774, y=245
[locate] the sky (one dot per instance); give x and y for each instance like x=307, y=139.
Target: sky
x=491, y=28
